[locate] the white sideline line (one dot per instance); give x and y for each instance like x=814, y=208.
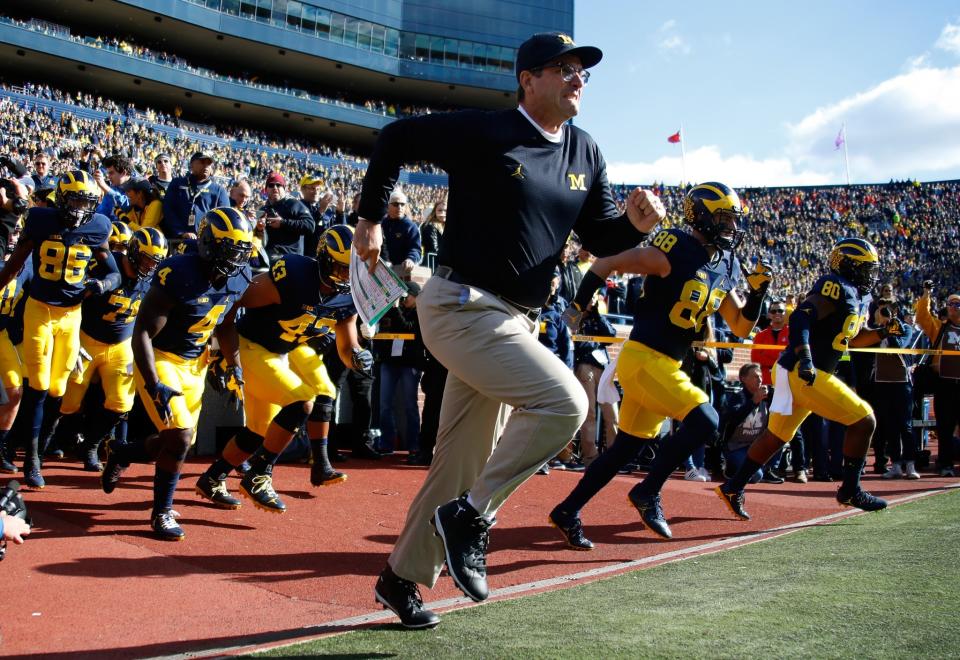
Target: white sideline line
x=320, y=629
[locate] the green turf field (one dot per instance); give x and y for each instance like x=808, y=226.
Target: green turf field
x=879, y=585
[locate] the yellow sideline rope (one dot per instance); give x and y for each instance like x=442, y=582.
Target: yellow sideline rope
x=725, y=344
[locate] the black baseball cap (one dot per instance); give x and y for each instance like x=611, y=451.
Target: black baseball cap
x=544, y=47
x=203, y=155
x=139, y=185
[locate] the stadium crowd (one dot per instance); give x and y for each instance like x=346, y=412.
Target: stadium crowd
x=913, y=225
x=129, y=47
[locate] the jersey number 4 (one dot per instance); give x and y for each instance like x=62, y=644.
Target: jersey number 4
x=60, y=262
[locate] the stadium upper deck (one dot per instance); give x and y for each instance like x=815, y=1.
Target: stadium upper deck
x=439, y=53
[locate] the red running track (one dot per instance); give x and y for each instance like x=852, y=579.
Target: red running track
x=91, y=580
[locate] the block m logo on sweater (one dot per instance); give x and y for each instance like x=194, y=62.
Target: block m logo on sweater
x=577, y=181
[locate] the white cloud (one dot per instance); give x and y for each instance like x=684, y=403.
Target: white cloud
x=708, y=163
x=675, y=44
x=904, y=125
x=950, y=39
x=917, y=62
x=672, y=42
x=907, y=126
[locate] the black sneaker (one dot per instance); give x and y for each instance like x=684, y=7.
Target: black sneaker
x=465, y=535
x=165, y=527
x=734, y=502
x=861, y=499
x=259, y=488
x=112, y=470
x=402, y=597
x=651, y=513
x=543, y=469
x=216, y=491
x=571, y=528
x=771, y=478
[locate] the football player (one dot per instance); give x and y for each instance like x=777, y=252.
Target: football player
x=105, y=333
x=63, y=242
x=189, y=296
x=11, y=369
x=690, y=275
x=120, y=235
x=830, y=318
x=297, y=303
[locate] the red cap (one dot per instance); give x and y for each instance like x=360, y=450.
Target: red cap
x=276, y=177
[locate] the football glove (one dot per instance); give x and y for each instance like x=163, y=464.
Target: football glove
x=759, y=280
x=573, y=318
x=805, y=369
x=362, y=361
x=228, y=380
x=94, y=287
x=894, y=328
x=161, y=394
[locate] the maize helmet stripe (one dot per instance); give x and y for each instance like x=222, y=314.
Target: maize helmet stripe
x=237, y=234
x=151, y=242
x=858, y=250
x=341, y=248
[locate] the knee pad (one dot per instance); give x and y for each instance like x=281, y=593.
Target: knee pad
x=293, y=416
x=703, y=420
x=322, y=409
x=248, y=441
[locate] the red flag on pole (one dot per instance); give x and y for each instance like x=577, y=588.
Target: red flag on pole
x=675, y=138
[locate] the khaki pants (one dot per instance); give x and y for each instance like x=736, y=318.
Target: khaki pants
x=589, y=377
x=496, y=364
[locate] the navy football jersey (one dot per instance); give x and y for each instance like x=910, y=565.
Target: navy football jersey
x=672, y=311
x=12, y=299
x=198, y=305
x=830, y=335
x=108, y=318
x=62, y=256
x=302, y=313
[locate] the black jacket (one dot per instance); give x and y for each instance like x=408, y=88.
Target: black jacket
x=297, y=223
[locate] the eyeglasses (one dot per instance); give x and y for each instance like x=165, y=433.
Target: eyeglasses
x=274, y=185
x=567, y=71
x=398, y=203
x=777, y=311
x=955, y=304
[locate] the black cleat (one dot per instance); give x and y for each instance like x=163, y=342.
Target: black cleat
x=165, y=527
x=465, y=535
x=734, y=502
x=571, y=528
x=32, y=476
x=216, y=491
x=861, y=499
x=112, y=470
x=324, y=475
x=242, y=469
x=402, y=597
x=91, y=460
x=6, y=465
x=259, y=488
x=651, y=513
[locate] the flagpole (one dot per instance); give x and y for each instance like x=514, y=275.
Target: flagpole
x=846, y=158
x=683, y=157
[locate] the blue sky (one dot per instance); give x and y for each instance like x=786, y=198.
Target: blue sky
x=762, y=89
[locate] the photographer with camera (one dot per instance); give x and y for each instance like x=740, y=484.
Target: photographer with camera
x=943, y=335
x=287, y=220
x=14, y=522
x=14, y=203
